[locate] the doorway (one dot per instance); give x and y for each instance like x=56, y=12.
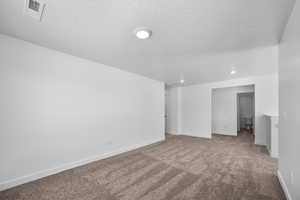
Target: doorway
x=233, y=110
x=246, y=112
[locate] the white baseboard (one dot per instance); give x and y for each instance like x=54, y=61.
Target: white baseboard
x=222, y=133
x=259, y=143
x=272, y=154
x=269, y=151
x=199, y=136
x=172, y=133
x=284, y=186
x=41, y=174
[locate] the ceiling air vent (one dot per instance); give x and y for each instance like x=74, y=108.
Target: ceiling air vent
x=34, y=5
x=34, y=8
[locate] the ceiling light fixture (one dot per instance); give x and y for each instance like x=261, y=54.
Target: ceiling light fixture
x=181, y=81
x=233, y=72
x=143, y=33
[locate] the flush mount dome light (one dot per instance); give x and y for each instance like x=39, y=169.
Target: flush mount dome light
x=143, y=33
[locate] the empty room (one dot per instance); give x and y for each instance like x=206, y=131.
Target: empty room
x=149, y=100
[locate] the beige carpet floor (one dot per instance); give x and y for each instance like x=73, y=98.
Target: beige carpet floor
x=180, y=168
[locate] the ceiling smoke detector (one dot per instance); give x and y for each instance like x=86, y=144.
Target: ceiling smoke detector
x=34, y=8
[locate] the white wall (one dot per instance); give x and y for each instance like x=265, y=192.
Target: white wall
x=173, y=110
x=195, y=100
x=196, y=105
x=289, y=106
x=224, y=109
x=58, y=111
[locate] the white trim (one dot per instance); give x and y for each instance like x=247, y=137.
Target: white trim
x=259, y=143
x=172, y=133
x=194, y=135
x=221, y=132
x=284, y=186
x=269, y=151
x=273, y=155
x=43, y=173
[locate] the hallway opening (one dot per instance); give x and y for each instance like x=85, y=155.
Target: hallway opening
x=233, y=110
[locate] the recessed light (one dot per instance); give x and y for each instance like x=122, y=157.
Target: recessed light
x=181, y=81
x=143, y=33
x=233, y=72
